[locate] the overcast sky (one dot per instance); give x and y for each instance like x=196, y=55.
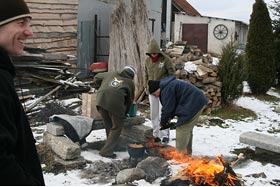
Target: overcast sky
x=229, y=9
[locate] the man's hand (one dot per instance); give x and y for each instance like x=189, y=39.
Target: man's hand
x=170, y=125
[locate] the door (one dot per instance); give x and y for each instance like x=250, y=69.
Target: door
x=196, y=34
x=85, y=46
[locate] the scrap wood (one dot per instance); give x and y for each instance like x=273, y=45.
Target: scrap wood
x=42, y=98
x=52, y=91
x=25, y=97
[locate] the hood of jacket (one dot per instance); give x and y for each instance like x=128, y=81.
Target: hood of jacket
x=153, y=47
x=6, y=63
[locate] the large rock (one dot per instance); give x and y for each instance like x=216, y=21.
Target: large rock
x=154, y=167
x=62, y=146
x=129, y=175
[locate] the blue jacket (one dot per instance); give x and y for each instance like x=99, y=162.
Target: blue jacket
x=180, y=98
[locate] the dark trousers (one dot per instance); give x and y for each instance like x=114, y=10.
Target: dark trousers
x=113, y=126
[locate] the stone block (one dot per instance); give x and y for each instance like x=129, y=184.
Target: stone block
x=62, y=146
x=259, y=140
x=55, y=129
x=137, y=132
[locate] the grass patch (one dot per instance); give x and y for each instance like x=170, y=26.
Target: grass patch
x=234, y=112
x=277, y=90
x=265, y=97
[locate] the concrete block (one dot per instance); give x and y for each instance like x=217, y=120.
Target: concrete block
x=62, y=146
x=138, y=133
x=130, y=121
x=55, y=129
x=259, y=140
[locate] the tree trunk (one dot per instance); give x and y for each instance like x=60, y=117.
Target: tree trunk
x=129, y=38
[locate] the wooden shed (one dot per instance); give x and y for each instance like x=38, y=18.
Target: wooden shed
x=54, y=25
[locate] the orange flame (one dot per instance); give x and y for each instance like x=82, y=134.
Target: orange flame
x=200, y=171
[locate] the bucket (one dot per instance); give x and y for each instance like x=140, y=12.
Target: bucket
x=136, y=150
x=132, y=110
x=99, y=67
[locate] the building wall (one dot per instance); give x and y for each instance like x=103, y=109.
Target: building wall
x=54, y=24
x=154, y=9
x=103, y=9
x=214, y=45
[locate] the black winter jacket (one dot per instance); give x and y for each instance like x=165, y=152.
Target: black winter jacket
x=19, y=162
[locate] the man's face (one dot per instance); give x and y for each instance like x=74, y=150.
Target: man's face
x=154, y=54
x=14, y=34
x=156, y=93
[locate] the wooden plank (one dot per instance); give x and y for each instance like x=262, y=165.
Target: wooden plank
x=51, y=40
x=70, y=2
x=53, y=34
x=45, y=23
x=54, y=11
x=49, y=16
x=51, y=6
x=56, y=44
x=62, y=29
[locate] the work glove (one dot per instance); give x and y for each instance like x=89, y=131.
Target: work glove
x=170, y=125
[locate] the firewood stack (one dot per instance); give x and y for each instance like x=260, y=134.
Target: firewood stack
x=192, y=66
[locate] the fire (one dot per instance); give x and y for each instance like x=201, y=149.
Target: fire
x=202, y=171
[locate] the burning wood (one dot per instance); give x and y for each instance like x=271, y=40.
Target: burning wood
x=201, y=171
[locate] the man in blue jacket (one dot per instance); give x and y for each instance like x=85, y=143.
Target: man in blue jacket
x=183, y=100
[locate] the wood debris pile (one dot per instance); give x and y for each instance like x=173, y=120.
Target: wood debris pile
x=197, y=68
x=44, y=74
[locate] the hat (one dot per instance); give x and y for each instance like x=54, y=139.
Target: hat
x=153, y=86
x=11, y=10
x=132, y=70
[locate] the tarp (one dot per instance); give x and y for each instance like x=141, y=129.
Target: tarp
x=77, y=128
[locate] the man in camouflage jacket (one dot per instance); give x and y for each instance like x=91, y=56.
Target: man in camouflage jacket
x=114, y=98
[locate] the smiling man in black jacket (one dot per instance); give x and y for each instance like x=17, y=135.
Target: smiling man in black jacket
x=19, y=162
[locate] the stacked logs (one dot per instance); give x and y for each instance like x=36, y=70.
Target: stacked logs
x=202, y=72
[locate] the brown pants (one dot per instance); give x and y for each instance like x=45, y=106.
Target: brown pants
x=113, y=126
x=184, y=134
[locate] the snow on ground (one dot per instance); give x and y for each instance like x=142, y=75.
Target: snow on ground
x=208, y=141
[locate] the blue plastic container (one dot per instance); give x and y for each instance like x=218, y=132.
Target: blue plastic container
x=133, y=110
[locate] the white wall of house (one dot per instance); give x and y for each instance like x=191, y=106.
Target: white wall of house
x=214, y=45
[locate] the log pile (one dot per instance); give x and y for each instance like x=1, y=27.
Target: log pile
x=192, y=66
